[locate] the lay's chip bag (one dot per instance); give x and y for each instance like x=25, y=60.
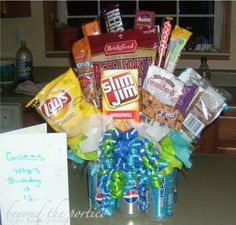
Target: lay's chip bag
x=61, y=103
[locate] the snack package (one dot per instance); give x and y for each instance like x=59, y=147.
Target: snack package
x=206, y=105
x=91, y=28
x=123, y=50
x=144, y=20
x=165, y=98
x=61, y=103
x=112, y=17
x=178, y=40
x=167, y=27
x=120, y=96
x=82, y=57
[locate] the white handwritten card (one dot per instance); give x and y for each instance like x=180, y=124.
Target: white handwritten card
x=34, y=179
x=41, y=128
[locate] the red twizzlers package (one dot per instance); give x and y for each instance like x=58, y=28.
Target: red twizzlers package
x=131, y=49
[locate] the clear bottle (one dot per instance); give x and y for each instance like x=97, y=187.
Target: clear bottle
x=204, y=69
x=24, y=63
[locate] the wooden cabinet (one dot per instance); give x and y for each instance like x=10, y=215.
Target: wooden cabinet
x=30, y=117
x=14, y=9
x=227, y=133
x=220, y=136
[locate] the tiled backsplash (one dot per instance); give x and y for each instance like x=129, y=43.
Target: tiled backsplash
x=224, y=78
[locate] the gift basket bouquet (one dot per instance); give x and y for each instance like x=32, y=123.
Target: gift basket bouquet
x=127, y=114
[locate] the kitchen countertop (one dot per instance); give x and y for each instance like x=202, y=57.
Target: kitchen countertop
x=9, y=96
x=206, y=197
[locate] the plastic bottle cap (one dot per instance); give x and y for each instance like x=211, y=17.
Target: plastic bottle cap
x=204, y=59
x=23, y=43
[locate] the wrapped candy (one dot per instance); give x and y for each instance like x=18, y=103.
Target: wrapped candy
x=178, y=40
x=165, y=98
x=167, y=27
x=91, y=28
x=206, y=105
x=113, y=18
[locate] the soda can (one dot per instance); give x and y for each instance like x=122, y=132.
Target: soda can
x=161, y=199
x=175, y=183
x=95, y=194
x=128, y=204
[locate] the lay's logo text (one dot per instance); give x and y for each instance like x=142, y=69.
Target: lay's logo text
x=56, y=103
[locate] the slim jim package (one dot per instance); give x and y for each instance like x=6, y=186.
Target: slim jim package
x=120, y=96
x=123, y=50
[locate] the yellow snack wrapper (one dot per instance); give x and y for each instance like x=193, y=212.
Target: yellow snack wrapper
x=178, y=40
x=61, y=103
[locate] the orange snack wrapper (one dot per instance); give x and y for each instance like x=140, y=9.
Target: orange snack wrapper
x=120, y=96
x=61, y=103
x=82, y=57
x=91, y=28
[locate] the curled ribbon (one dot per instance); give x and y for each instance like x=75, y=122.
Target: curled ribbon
x=168, y=154
x=127, y=162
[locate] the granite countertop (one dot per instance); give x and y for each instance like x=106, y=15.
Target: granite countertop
x=206, y=197
x=10, y=96
x=42, y=75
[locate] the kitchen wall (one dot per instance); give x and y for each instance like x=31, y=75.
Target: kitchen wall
x=32, y=30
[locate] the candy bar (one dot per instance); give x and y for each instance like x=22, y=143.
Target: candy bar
x=144, y=20
x=113, y=18
x=167, y=27
x=178, y=40
x=91, y=28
